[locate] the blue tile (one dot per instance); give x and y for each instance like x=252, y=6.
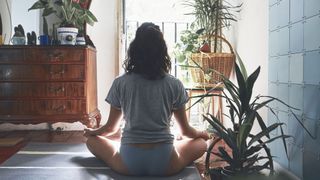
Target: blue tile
x=296, y=160
x=283, y=117
x=310, y=144
x=311, y=7
x=273, y=68
x=296, y=37
x=296, y=68
x=311, y=166
x=271, y=120
x=273, y=43
x=273, y=91
x=279, y=15
x=311, y=101
x=283, y=69
x=283, y=13
x=283, y=41
x=273, y=17
x=283, y=95
x=296, y=130
x=311, y=33
x=296, y=98
x=311, y=66
x=272, y=2
x=296, y=10
x=277, y=150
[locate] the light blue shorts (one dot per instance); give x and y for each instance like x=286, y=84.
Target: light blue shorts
x=146, y=161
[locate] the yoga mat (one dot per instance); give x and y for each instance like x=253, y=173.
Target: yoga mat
x=52, y=161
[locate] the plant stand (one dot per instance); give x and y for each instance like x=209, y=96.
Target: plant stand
x=215, y=102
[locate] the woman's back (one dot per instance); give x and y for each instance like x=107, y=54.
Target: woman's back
x=147, y=106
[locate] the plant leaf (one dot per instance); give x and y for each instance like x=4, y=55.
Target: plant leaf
x=246, y=127
x=262, y=124
x=250, y=82
x=226, y=156
x=264, y=133
x=37, y=5
x=272, y=139
x=242, y=67
x=48, y=11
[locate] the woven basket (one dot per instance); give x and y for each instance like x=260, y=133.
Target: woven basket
x=221, y=62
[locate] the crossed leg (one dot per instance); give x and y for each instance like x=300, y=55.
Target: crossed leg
x=107, y=150
x=186, y=151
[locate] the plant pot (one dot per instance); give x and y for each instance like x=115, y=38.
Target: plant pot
x=80, y=40
x=67, y=35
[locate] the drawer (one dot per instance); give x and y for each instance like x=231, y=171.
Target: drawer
x=42, y=107
x=42, y=72
x=55, y=55
x=11, y=55
x=10, y=90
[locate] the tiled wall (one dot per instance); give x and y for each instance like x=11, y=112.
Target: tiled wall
x=294, y=77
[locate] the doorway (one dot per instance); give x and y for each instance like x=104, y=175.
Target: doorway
x=169, y=15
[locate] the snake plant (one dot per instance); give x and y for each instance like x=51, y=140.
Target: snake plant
x=246, y=156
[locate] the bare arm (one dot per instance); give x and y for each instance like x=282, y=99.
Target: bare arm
x=186, y=129
x=111, y=127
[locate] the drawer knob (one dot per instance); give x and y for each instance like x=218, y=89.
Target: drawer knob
x=57, y=89
x=61, y=71
x=55, y=56
x=61, y=108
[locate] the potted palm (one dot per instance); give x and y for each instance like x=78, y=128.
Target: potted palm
x=73, y=15
x=246, y=158
x=212, y=16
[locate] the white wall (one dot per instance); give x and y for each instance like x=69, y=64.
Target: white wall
x=249, y=37
x=5, y=7
x=104, y=36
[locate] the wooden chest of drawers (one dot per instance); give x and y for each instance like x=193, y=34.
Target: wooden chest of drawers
x=48, y=84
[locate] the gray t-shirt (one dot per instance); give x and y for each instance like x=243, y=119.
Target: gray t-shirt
x=147, y=106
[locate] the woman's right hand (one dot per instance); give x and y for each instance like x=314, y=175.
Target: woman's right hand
x=203, y=134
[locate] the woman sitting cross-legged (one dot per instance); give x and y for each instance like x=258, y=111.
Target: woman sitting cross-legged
x=146, y=97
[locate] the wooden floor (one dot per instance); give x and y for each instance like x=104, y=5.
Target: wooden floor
x=38, y=136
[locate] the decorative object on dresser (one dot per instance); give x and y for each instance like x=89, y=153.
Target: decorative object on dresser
x=48, y=84
x=73, y=16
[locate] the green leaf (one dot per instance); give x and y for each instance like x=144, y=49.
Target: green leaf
x=89, y=13
x=284, y=142
x=264, y=132
x=250, y=82
x=252, y=150
x=272, y=139
x=262, y=124
x=48, y=11
x=263, y=104
x=37, y=5
x=225, y=156
x=221, y=133
x=217, y=121
x=242, y=67
x=242, y=89
x=245, y=128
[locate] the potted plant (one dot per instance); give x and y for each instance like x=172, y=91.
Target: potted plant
x=73, y=15
x=246, y=147
x=212, y=16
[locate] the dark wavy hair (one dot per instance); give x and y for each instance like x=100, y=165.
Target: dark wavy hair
x=147, y=53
